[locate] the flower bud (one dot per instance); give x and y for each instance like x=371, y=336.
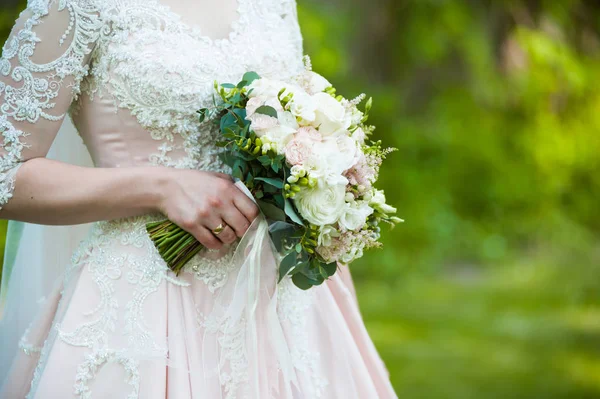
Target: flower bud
x=292, y=179
x=296, y=189
x=349, y=197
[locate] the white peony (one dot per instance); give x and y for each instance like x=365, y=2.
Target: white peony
x=326, y=235
x=322, y=204
x=355, y=215
x=331, y=115
x=377, y=201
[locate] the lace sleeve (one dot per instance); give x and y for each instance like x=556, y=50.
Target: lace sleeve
x=42, y=65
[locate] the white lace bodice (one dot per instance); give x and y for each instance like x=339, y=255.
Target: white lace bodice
x=133, y=73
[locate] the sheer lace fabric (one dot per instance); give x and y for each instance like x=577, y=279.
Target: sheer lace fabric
x=132, y=73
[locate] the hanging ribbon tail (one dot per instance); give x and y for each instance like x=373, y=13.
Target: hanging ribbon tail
x=247, y=308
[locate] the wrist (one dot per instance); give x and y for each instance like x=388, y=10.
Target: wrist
x=159, y=184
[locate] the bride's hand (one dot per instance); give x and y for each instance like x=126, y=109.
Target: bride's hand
x=200, y=202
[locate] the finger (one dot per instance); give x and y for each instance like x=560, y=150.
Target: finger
x=245, y=205
x=207, y=238
x=227, y=236
x=235, y=219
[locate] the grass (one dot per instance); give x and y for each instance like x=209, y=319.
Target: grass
x=512, y=332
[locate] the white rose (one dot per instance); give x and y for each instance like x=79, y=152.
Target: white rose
x=331, y=115
x=322, y=204
x=377, y=201
x=326, y=235
x=355, y=215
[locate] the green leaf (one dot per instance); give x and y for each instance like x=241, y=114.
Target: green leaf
x=303, y=282
x=279, y=200
x=330, y=268
x=277, y=183
x=259, y=194
x=227, y=85
x=291, y=212
x=265, y=160
x=275, y=166
x=267, y=110
x=271, y=211
x=287, y=263
x=250, y=77
x=298, y=247
x=203, y=113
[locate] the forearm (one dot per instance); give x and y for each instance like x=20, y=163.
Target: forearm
x=55, y=193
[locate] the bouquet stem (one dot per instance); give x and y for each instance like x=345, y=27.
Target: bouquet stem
x=175, y=245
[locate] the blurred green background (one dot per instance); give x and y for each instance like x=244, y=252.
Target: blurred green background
x=490, y=289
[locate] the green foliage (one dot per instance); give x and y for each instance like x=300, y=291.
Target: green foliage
x=494, y=108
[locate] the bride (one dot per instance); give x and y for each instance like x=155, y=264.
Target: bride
x=118, y=323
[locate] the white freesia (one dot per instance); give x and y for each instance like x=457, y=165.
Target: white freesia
x=265, y=88
x=359, y=136
x=322, y=204
x=378, y=202
x=303, y=106
x=355, y=215
x=331, y=115
x=326, y=235
x=315, y=83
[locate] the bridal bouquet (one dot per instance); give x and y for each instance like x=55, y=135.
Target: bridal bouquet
x=305, y=155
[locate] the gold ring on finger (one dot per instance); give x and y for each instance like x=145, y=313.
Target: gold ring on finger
x=219, y=229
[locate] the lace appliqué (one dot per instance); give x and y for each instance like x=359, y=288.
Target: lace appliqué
x=93, y=362
x=38, y=85
x=13, y=146
x=162, y=70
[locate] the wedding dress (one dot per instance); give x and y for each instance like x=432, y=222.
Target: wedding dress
x=131, y=74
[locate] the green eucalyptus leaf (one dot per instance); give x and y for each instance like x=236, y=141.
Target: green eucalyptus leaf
x=275, y=166
x=267, y=110
x=291, y=212
x=250, y=77
x=330, y=268
x=303, y=282
x=287, y=263
x=227, y=85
